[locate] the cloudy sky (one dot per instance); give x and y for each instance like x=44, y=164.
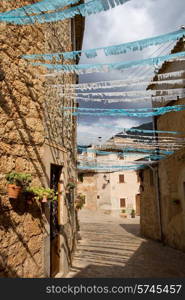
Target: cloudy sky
x=137, y=19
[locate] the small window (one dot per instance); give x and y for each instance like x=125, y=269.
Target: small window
x=98, y=197
x=80, y=177
x=122, y=202
x=121, y=157
x=121, y=178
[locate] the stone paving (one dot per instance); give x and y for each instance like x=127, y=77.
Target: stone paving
x=112, y=247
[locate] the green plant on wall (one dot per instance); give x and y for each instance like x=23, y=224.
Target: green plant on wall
x=71, y=185
x=19, y=179
x=39, y=193
x=80, y=201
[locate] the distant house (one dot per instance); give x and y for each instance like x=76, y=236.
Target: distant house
x=109, y=191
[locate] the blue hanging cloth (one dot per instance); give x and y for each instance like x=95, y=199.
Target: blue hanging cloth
x=113, y=50
x=86, y=9
x=133, y=149
x=37, y=8
x=139, y=112
x=111, y=167
x=91, y=68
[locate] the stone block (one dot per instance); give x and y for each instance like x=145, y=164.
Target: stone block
x=32, y=226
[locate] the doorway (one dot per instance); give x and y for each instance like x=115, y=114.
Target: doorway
x=55, y=173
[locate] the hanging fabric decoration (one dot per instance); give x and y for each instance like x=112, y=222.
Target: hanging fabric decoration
x=90, y=68
x=152, y=131
x=139, y=112
x=105, y=153
x=86, y=9
x=118, y=83
x=128, y=149
x=171, y=75
x=146, y=131
x=136, y=93
x=37, y=8
x=142, y=150
x=160, y=99
x=99, y=167
x=140, y=144
x=166, y=143
x=112, y=50
x=149, y=137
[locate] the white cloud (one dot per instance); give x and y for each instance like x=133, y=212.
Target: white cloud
x=89, y=133
x=134, y=20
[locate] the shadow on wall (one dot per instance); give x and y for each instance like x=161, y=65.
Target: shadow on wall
x=13, y=238
x=5, y=270
x=28, y=139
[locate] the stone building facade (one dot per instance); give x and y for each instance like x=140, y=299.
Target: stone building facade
x=163, y=197
x=37, y=138
x=110, y=191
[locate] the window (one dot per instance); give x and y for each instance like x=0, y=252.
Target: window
x=122, y=202
x=98, y=197
x=121, y=178
x=80, y=177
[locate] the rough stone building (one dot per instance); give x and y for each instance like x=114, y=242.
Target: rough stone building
x=36, y=138
x=109, y=191
x=163, y=185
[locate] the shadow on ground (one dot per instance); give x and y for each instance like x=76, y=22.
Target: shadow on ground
x=132, y=228
x=144, y=263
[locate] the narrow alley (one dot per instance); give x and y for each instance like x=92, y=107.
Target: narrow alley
x=111, y=247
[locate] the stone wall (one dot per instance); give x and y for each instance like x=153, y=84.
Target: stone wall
x=164, y=218
x=31, y=127
x=150, y=218
x=172, y=190
x=170, y=213
x=89, y=188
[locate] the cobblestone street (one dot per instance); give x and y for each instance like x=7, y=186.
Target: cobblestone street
x=112, y=247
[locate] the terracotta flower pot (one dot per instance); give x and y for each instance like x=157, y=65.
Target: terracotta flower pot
x=44, y=199
x=14, y=191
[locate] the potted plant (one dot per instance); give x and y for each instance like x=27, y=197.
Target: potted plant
x=71, y=185
x=16, y=183
x=133, y=214
x=80, y=201
x=123, y=213
x=42, y=194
